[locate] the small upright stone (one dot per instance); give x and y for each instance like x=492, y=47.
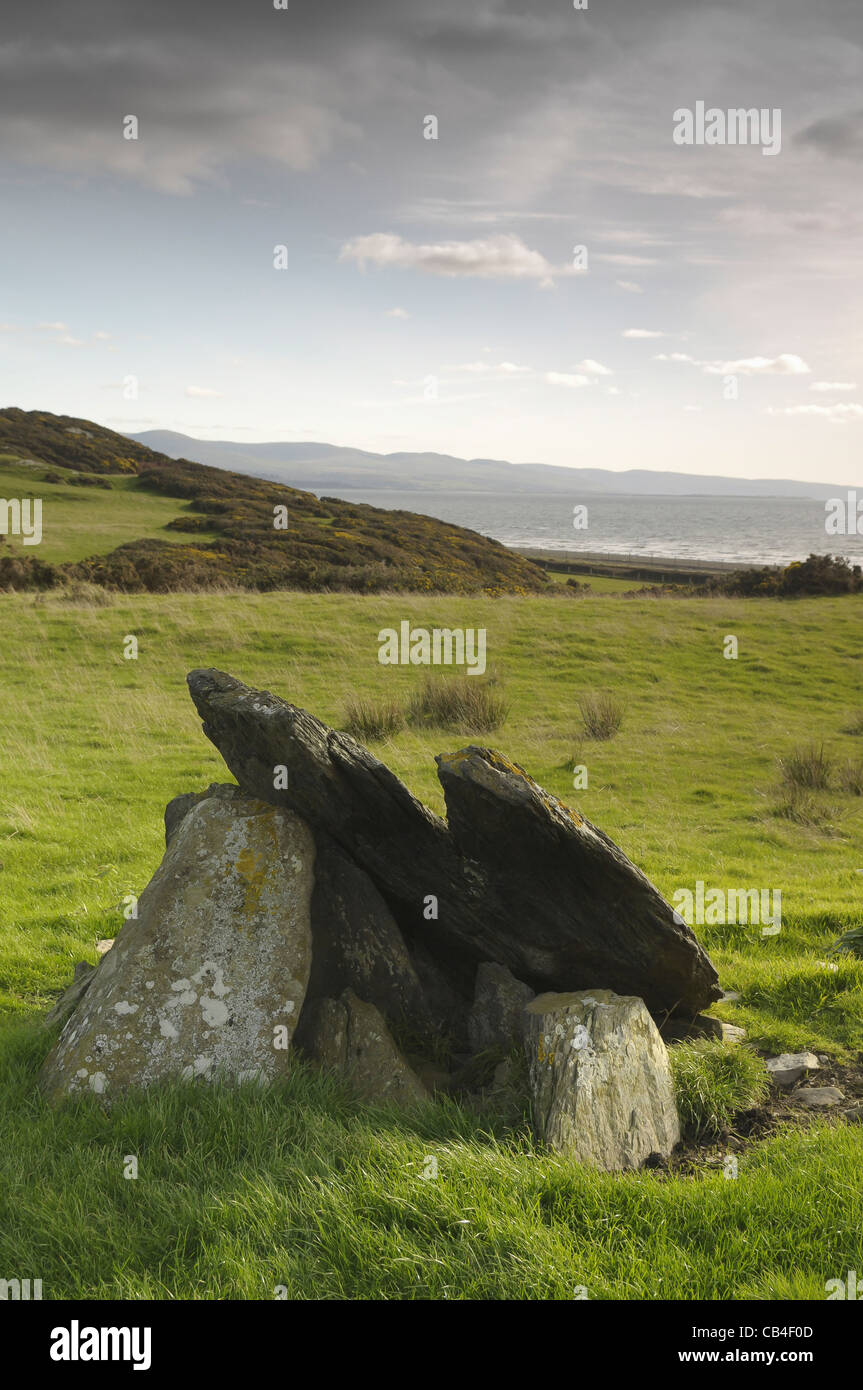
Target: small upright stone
x=350, y=1037
x=600, y=1079
x=497, y=1016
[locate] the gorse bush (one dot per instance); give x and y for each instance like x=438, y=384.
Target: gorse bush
x=373, y=719
x=713, y=1082
x=602, y=715
x=466, y=704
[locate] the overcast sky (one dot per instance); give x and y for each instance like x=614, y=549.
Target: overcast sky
x=433, y=298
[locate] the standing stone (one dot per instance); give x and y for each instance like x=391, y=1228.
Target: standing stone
x=600, y=1079
x=497, y=1016
x=350, y=1037
x=209, y=979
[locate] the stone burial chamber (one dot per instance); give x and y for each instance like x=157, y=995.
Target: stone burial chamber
x=318, y=908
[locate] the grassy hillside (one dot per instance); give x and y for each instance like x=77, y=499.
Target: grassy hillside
x=248, y=533
x=241, y=1193
x=84, y=521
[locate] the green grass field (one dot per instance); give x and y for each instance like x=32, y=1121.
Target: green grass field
x=241, y=1192
x=83, y=521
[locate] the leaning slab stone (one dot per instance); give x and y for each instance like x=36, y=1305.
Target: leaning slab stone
x=497, y=1016
x=787, y=1069
x=600, y=1079
x=567, y=904
x=209, y=979
x=518, y=877
x=350, y=1037
x=356, y=944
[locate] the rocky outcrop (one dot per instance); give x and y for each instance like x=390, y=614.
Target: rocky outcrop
x=600, y=1080
x=209, y=979
x=350, y=1037
x=517, y=877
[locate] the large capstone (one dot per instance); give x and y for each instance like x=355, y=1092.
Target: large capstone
x=209, y=979
x=516, y=876
x=600, y=1080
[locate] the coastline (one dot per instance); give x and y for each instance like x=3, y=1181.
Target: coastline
x=652, y=568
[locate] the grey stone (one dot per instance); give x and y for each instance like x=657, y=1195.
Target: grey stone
x=789, y=1067
x=600, y=1079
x=497, y=1016
x=350, y=1037
x=519, y=877
x=356, y=944
x=208, y=981
x=105, y=945
x=854, y=1116
x=731, y=1033
x=818, y=1097
x=180, y=806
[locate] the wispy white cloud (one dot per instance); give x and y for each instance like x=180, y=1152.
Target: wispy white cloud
x=204, y=392
x=835, y=414
x=593, y=368
x=504, y=257
x=833, y=386
x=786, y=364
x=642, y=333
x=571, y=379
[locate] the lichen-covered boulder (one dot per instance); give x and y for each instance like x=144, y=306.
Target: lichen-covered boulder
x=350, y=1037
x=600, y=1079
x=209, y=979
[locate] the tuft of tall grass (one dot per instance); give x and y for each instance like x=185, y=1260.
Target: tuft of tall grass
x=850, y=776
x=602, y=714
x=373, y=720
x=807, y=767
x=462, y=703
x=713, y=1082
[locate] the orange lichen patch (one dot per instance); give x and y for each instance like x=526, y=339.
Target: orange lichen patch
x=252, y=864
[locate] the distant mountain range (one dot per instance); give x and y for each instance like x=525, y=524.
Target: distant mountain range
x=328, y=467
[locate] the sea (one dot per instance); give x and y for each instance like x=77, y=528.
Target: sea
x=739, y=530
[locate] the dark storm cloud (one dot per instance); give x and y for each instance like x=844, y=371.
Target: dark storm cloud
x=532, y=97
